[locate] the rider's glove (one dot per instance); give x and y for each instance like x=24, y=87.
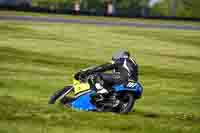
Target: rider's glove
x=77, y=75
x=80, y=75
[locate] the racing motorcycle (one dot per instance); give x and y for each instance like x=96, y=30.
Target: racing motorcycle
x=121, y=99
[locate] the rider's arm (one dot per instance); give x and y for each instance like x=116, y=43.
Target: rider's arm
x=101, y=68
x=104, y=67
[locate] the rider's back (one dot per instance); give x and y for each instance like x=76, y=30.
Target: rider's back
x=128, y=69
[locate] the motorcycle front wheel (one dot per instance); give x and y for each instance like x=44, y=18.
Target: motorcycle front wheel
x=60, y=94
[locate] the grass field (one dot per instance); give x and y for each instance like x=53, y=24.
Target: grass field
x=38, y=58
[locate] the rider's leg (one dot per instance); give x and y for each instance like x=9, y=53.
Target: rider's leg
x=109, y=80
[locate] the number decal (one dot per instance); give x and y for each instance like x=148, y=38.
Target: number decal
x=80, y=87
x=130, y=85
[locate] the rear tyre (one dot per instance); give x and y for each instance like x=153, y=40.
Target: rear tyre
x=59, y=93
x=126, y=104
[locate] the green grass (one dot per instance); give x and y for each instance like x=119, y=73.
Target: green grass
x=38, y=58
x=99, y=18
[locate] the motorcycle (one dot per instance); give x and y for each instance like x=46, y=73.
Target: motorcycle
x=121, y=99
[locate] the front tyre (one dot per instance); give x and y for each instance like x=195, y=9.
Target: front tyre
x=60, y=93
x=126, y=103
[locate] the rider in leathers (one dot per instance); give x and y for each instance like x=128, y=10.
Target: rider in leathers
x=124, y=69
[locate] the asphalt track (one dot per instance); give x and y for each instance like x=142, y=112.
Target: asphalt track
x=99, y=22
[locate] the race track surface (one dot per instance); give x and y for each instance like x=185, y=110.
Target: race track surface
x=99, y=22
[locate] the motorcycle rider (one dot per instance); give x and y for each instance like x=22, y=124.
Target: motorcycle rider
x=123, y=67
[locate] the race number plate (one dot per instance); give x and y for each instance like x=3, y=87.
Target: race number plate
x=130, y=85
x=80, y=87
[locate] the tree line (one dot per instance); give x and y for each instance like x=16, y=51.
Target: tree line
x=177, y=8
x=131, y=8
x=122, y=7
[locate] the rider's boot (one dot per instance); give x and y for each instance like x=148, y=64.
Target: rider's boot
x=100, y=89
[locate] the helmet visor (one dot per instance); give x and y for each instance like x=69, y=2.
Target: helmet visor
x=119, y=55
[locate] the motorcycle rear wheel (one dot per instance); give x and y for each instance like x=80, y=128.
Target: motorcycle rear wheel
x=127, y=102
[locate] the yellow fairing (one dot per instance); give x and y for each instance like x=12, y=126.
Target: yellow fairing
x=80, y=87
